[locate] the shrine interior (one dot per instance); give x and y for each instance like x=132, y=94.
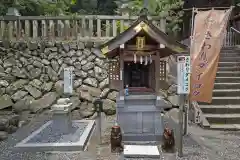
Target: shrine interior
x=137, y=75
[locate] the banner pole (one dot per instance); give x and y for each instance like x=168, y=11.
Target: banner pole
x=186, y=108
x=180, y=114
x=192, y=24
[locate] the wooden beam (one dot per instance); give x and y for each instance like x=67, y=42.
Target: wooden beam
x=139, y=54
x=129, y=58
x=146, y=47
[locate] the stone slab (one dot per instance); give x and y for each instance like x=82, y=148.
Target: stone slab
x=61, y=107
x=63, y=101
x=141, y=151
x=48, y=138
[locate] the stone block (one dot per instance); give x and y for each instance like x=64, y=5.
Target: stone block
x=63, y=101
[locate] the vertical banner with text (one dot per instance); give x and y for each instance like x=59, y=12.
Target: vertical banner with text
x=183, y=74
x=208, y=36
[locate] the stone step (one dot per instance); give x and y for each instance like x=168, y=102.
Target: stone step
x=134, y=97
x=228, y=127
x=227, y=86
x=228, y=64
x=223, y=118
x=229, y=58
x=227, y=68
x=227, y=79
x=223, y=101
x=140, y=99
x=230, y=49
x=146, y=143
x=220, y=109
x=226, y=92
x=228, y=74
x=141, y=152
x=229, y=52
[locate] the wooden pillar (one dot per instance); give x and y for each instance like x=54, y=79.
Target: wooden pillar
x=157, y=74
x=121, y=58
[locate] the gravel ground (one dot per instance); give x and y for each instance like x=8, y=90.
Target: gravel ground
x=199, y=145
x=220, y=145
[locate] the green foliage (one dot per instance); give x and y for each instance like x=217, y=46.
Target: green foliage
x=55, y=7
x=36, y=7
x=73, y=2
x=237, y=2
x=60, y=6
x=171, y=10
x=105, y=7
x=118, y=24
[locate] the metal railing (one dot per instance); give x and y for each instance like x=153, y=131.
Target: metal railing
x=232, y=38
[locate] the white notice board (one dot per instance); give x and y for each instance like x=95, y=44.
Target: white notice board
x=183, y=74
x=68, y=80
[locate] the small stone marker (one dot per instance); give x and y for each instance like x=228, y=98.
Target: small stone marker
x=141, y=151
x=68, y=80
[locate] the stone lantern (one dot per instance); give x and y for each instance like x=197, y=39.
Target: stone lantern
x=12, y=17
x=13, y=11
x=124, y=10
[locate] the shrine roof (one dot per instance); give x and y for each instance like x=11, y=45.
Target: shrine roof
x=143, y=24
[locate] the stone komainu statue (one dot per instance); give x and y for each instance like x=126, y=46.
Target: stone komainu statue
x=116, y=139
x=168, y=140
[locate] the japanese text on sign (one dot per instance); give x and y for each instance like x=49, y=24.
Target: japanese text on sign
x=183, y=77
x=68, y=80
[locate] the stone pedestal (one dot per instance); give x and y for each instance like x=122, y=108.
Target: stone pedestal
x=62, y=120
x=61, y=134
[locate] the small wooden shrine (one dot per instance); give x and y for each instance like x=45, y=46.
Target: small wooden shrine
x=135, y=62
x=136, y=53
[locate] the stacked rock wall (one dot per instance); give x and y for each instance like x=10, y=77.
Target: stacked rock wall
x=31, y=77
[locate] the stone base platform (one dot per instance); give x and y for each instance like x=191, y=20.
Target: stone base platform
x=49, y=138
x=141, y=151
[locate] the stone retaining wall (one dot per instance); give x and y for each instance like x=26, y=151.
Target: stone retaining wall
x=31, y=77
